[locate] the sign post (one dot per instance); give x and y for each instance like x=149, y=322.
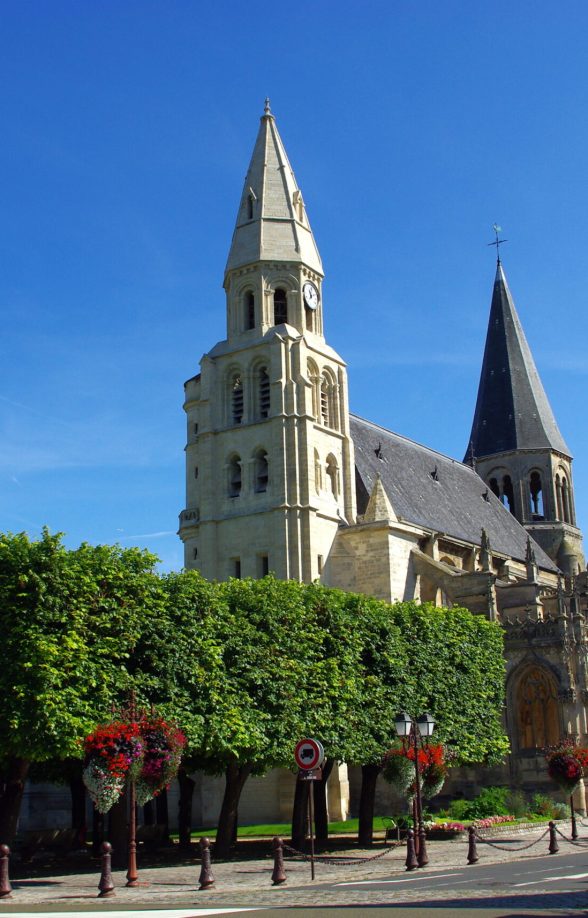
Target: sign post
x=309, y=755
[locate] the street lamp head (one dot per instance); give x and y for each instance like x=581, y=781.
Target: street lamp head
x=426, y=724
x=403, y=723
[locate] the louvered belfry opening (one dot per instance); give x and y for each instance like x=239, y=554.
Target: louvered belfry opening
x=264, y=393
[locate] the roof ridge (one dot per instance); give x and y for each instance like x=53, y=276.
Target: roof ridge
x=429, y=449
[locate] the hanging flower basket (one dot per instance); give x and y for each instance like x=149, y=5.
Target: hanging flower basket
x=398, y=769
x=565, y=764
x=147, y=752
x=163, y=744
x=112, y=756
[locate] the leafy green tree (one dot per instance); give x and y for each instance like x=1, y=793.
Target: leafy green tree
x=420, y=658
x=271, y=658
x=71, y=619
x=177, y=665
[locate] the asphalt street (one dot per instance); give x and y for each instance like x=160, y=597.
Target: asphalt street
x=509, y=887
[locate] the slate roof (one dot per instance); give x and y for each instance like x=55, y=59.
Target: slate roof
x=512, y=409
x=432, y=490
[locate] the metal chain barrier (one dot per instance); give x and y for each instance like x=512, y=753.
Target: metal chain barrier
x=331, y=861
x=570, y=841
x=486, y=841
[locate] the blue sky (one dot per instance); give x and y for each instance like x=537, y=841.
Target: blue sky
x=411, y=127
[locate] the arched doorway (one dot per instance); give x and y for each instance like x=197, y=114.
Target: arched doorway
x=537, y=709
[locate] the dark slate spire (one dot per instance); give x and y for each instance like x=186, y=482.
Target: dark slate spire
x=512, y=410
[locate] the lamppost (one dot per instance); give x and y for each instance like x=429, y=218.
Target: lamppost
x=410, y=730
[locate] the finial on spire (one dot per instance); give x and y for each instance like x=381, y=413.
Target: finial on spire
x=267, y=110
x=471, y=458
x=497, y=242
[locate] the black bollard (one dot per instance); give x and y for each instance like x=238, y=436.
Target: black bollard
x=206, y=878
x=106, y=886
x=472, y=849
x=422, y=856
x=5, y=887
x=553, y=845
x=411, y=860
x=278, y=873
x=573, y=816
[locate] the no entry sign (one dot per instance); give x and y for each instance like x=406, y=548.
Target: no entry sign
x=309, y=754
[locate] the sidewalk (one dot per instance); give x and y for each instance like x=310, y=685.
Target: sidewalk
x=248, y=882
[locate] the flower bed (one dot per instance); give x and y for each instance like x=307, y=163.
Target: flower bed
x=492, y=821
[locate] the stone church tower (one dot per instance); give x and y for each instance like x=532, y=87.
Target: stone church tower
x=515, y=443
x=281, y=477
x=269, y=457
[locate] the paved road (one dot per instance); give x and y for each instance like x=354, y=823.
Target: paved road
x=506, y=882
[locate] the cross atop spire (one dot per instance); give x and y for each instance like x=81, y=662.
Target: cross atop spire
x=267, y=110
x=497, y=242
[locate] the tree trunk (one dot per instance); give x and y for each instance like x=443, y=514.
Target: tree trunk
x=300, y=814
x=148, y=813
x=235, y=777
x=15, y=775
x=187, y=785
x=321, y=815
x=369, y=776
x=117, y=831
x=162, y=813
x=97, y=831
x=77, y=790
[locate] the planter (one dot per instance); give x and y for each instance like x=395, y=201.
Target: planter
x=445, y=834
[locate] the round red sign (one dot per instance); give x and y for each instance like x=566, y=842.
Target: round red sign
x=309, y=754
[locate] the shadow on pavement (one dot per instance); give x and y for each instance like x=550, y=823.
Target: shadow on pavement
x=555, y=900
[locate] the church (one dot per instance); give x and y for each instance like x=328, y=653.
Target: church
x=282, y=477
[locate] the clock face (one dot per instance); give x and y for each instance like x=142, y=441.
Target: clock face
x=311, y=297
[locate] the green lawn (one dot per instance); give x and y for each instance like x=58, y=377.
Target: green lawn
x=349, y=827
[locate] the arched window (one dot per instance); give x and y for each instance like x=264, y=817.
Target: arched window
x=494, y=487
x=250, y=207
x=249, y=310
x=537, y=709
x=328, y=393
x=558, y=499
x=318, y=473
x=263, y=384
x=333, y=476
x=508, y=494
x=237, y=398
x=235, y=476
x=565, y=500
x=313, y=376
x=261, y=471
x=280, y=307
x=536, y=495
x=325, y=406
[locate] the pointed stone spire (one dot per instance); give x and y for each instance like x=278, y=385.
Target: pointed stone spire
x=485, y=552
x=379, y=506
x=512, y=410
x=272, y=224
x=532, y=569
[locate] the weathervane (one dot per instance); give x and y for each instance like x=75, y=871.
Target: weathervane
x=497, y=242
